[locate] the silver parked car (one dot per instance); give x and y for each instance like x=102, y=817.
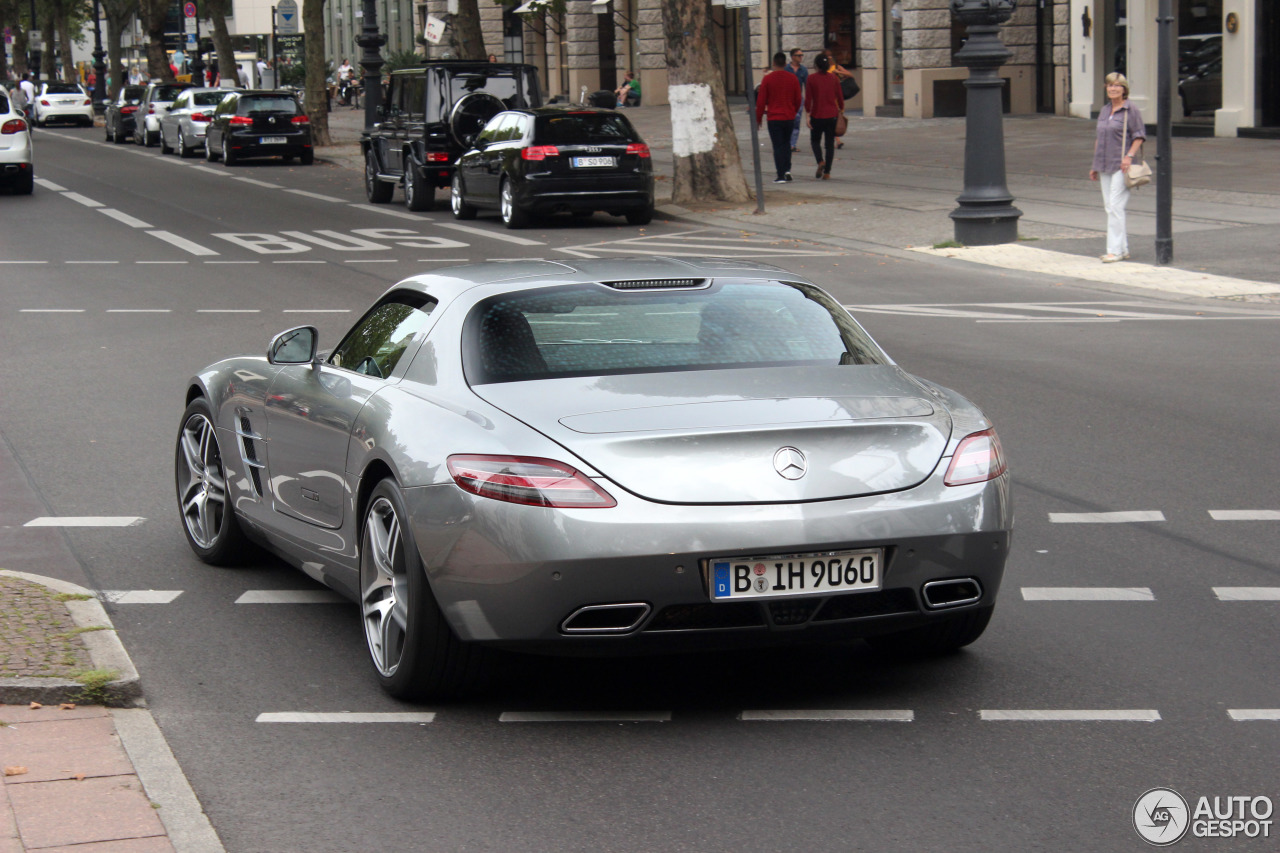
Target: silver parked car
x=183, y=126
x=620, y=455
x=155, y=103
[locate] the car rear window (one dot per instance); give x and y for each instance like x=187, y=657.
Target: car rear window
x=597, y=330
x=62, y=89
x=583, y=128
x=208, y=99
x=512, y=87
x=249, y=106
x=167, y=93
x=133, y=94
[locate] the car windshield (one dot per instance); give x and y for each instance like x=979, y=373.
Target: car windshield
x=511, y=86
x=4, y=104
x=583, y=127
x=597, y=330
x=253, y=106
x=132, y=94
x=62, y=89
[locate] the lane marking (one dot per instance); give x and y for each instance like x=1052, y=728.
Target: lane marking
x=1245, y=715
x=1247, y=593
x=87, y=202
x=161, y=262
x=372, y=261
x=317, y=311
x=299, y=262
x=831, y=716
x=85, y=521
x=139, y=596
x=24, y=262
x=233, y=262
x=506, y=238
x=51, y=311
x=139, y=310
x=1244, y=514
x=1073, y=716
x=391, y=211
x=50, y=185
x=290, y=596
x=1087, y=593
x=93, y=262
x=585, y=717
x=182, y=243
x=121, y=216
x=317, y=196
x=443, y=260
x=228, y=310
x=258, y=183
x=1105, y=517
x=346, y=717
x=210, y=170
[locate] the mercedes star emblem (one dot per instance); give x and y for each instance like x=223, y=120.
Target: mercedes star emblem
x=790, y=463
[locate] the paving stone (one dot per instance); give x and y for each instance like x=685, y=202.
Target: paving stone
x=17, y=714
x=61, y=748
x=49, y=814
x=36, y=636
x=155, y=844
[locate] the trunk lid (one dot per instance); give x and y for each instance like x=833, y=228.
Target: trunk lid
x=720, y=436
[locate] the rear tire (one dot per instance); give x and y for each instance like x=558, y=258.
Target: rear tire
x=306, y=158
x=26, y=183
x=640, y=217
x=149, y=138
x=228, y=156
x=461, y=210
x=512, y=216
x=945, y=635
x=414, y=652
x=418, y=194
x=377, y=191
x=208, y=520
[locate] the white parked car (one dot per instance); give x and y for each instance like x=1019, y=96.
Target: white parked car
x=62, y=102
x=16, y=168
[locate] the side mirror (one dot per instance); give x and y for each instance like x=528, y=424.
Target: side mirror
x=295, y=346
x=479, y=144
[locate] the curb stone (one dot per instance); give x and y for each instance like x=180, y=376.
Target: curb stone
x=105, y=650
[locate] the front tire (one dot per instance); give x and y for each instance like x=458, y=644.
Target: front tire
x=414, y=652
x=209, y=156
x=418, y=194
x=164, y=144
x=512, y=216
x=461, y=210
x=377, y=191
x=208, y=519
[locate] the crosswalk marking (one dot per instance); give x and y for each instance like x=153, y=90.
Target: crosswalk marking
x=1087, y=593
x=492, y=235
x=1105, y=517
x=85, y=521
x=290, y=596
x=866, y=716
x=1244, y=715
x=1244, y=514
x=1071, y=716
x=140, y=596
x=585, y=717
x=347, y=717
x=1247, y=593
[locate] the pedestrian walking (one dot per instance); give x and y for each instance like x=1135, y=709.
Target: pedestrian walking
x=849, y=87
x=796, y=67
x=779, y=98
x=1120, y=134
x=824, y=104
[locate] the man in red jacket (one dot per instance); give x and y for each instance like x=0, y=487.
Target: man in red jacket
x=779, y=98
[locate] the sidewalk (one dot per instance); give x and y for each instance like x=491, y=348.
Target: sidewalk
x=896, y=180
x=79, y=776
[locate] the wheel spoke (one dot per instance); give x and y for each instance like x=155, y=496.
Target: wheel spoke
x=191, y=452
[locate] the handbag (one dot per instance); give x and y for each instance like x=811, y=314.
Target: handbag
x=1139, y=174
x=842, y=124
x=849, y=88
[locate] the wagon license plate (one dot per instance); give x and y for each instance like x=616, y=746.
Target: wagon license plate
x=273, y=140
x=592, y=162
x=790, y=575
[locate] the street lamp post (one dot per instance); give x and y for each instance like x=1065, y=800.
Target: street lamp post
x=986, y=215
x=33, y=52
x=99, y=65
x=197, y=64
x=371, y=61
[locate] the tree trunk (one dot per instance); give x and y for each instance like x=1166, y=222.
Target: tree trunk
x=217, y=12
x=465, y=33
x=5, y=15
x=317, y=85
x=707, y=163
x=63, y=23
x=118, y=14
x=152, y=13
x=48, y=57
x=20, y=52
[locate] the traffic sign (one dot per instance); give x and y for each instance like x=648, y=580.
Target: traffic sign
x=189, y=10
x=287, y=17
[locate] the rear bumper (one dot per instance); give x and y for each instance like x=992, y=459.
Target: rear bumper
x=551, y=194
x=75, y=113
x=11, y=172
x=251, y=145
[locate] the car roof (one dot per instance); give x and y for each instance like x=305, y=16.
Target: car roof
x=461, y=63
x=451, y=282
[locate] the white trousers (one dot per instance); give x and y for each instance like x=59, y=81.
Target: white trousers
x=1115, y=198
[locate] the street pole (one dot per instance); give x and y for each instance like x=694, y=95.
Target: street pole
x=197, y=64
x=33, y=52
x=745, y=17
x=371, y=61
x=99, y=65
x=986, y=215
x=1164, y=134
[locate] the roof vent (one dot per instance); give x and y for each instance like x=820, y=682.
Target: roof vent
x=655, y=283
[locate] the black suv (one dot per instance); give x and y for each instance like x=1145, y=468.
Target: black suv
x=429, y=117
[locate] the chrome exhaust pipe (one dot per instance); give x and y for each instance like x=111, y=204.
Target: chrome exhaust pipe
x=606, y=618
x=953, y=592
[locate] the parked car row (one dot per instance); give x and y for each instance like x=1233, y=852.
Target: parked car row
x=17, y=169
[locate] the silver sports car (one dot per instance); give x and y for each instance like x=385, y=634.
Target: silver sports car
x=616, y=455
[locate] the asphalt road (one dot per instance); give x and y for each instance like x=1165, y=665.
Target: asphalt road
x=127, y=271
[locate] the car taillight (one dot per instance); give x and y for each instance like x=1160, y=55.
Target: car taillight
x=978, y=458
x=300, y=120
x=128, y=111
x=240, y=120
x=87, y=103
x=14, y=125
x=437, y=157
x=539, y=152
x=151, y=109
x=528, y=480
x=639, y=149
x=199, y=117
x=44, y=103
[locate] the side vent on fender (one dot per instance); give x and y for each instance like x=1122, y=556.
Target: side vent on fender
x=249, y=453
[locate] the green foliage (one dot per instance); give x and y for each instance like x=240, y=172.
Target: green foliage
x=95, y=683
x=397, y=59
x=948, y=244
x=293, y=74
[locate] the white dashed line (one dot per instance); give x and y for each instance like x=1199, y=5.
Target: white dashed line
x=1087, y=593
x=317, y=311
x=50, y=185
x=182, y=243
x=139, y=596
x=51, y=311
x=830, y=716
x=316, y=196
x=87, y=202
x=120, y=216
x=443, y=260
x=211, y=171
x=233, y=262
x=1246, y=715
x=290, y=596
x=139, y=310
x=1244, y=514
x=391, y=211
x=1105, y=517
x=372, y=261
x=585, y=717
x=86, y=521
x=347, y=717
x=161, y=262
x=24, y=262
x=1247, y=593
x=1072, y=716
x=94, y=262
x=228, y=310
x=299, y=262
x=258, y=183
x=493, y=235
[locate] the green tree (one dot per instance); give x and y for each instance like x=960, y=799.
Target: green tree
x=152, y=14
x=118, y=14
x=317, y=96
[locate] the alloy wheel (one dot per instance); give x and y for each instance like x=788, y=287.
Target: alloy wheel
x=384, y=588
x=203, y=493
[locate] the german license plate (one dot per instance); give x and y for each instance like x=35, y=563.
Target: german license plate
x=790, y=575
x=273, y=140
x=590, y=162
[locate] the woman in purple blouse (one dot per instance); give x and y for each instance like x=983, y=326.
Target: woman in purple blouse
x=1112, y=156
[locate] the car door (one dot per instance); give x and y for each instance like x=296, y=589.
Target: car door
x=311, y=409
x=489, y=167
x=169, y=121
